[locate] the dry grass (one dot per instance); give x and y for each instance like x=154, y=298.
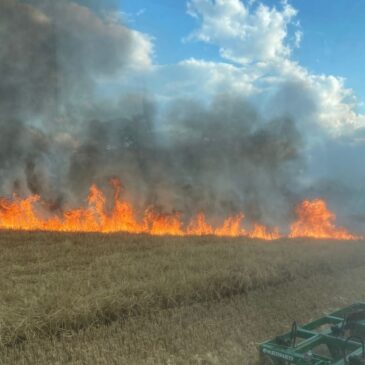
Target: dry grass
x=74, y=298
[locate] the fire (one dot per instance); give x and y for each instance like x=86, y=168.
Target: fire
x=163, y=224
x=199, y=226
x=260, y=231
x=232, y=227
x=314, y=219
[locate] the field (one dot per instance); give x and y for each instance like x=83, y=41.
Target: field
x=135, y=299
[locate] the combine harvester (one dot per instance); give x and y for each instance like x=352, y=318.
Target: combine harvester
x=335, y=339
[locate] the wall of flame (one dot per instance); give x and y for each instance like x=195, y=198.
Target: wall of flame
x=314, y=219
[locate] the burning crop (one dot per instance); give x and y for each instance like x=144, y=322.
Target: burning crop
x=72, y=114
x=317, y=221
x=314, y=219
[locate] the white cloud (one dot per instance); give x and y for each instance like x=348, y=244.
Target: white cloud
x=256, y=37
x=209, y=78
x=333, y=105
x=298, y=38
x=253, y=40
x=243, y=34
x=141, y=55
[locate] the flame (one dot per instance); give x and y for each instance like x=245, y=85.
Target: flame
x=163, y=224
x=260, y=231
x=314, y=219
x=199, y=226
x=232, y=227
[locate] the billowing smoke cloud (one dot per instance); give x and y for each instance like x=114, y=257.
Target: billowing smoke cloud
x=53, y=53
x=218, y=158
x=337, y=173
x=58, y=135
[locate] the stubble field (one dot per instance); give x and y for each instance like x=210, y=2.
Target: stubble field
x=135, y=299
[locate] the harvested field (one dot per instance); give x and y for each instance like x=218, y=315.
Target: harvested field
x=134, y=299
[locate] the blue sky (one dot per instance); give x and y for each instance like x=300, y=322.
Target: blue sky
x=333, y=35
x=241, y=75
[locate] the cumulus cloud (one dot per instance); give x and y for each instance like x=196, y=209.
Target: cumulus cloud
x=218, y=135
x=243, y=34
x=333, y=106
x=257, y=40
x=202, y=80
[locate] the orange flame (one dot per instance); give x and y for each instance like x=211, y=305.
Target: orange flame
x=199, y=226
x=314, y=219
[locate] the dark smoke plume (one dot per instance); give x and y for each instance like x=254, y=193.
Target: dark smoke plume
x=58, y=137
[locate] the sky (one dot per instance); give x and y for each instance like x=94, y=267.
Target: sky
x=332, y=41
x=296, y=58
x=252, y=104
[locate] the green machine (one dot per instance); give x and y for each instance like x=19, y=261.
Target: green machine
x=335, y=339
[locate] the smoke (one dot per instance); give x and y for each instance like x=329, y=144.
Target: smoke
x=59, y=136
x=337, y=174
x=219, y=158
x=52, y=54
